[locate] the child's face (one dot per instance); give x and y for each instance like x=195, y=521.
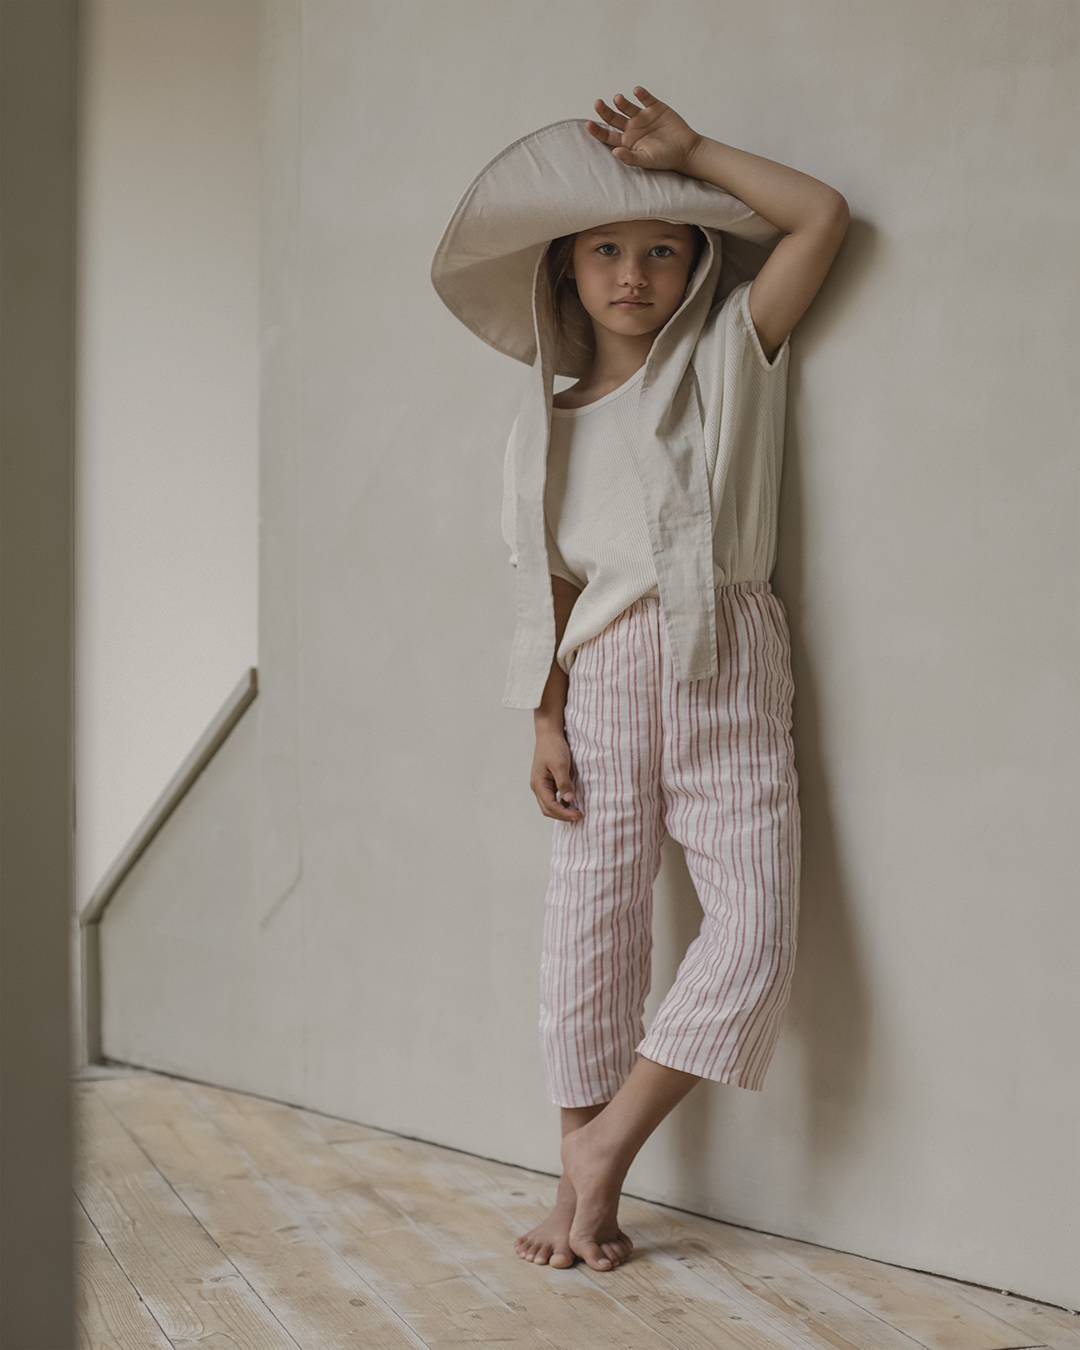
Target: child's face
x=631, y=276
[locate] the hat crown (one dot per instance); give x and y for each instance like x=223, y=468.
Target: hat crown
x=554, y=182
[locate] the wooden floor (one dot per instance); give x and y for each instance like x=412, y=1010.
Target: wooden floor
x=214, y=1220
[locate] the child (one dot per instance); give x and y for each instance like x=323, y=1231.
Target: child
x=641, y=514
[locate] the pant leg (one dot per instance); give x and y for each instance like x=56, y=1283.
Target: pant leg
x=730, y=786
x=598, y=927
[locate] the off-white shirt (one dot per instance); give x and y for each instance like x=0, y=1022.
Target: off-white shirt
x=594, y=508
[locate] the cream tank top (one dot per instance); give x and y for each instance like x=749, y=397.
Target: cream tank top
x=598, y=537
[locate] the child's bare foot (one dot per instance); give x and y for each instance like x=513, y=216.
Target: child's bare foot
x=548, y=1244
x=596, y=1176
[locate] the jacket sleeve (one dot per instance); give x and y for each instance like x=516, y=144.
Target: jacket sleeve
x=729, y=331
x=509, y=530
x=744, y=398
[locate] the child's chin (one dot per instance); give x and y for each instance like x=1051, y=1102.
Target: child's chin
x=632, y=325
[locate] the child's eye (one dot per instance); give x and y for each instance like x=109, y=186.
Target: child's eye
x=607, y=250
x=663, y=251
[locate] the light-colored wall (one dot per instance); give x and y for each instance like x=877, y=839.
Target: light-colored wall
x=167, y=503
x=923, y=1106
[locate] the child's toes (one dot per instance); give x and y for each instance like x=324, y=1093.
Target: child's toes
x=591, y=1253
x=562, y=1258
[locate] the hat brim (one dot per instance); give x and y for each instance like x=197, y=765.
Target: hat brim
x=554, y=182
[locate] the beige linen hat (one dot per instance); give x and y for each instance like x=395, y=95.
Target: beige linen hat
x=554, y=182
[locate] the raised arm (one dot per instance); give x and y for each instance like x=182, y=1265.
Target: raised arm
x=812, y=215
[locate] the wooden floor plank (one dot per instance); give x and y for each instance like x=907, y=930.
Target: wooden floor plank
x=413, y=1259
x=1054, y=1327
x=743, y=1253
x=194, y=1293
x=792, y=1308
x=768, y=1294
x=729, y=1260
x=250, y=1225
x=317, y=1297
x=677, y=1279
x=807, y=1309
x=924, y=1309
x=444, y=1191
x=109, y=1314
x=659, y=1292
x=448, y=1205
x=438, y=1297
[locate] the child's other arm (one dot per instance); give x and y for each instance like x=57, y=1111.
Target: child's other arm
x=552, y=767
x=812, y=215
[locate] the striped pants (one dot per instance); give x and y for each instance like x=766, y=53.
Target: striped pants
x=711, y=764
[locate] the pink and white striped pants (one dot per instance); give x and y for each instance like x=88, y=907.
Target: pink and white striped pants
x=710, y=762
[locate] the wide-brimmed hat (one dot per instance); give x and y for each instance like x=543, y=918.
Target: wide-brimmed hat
x=554, y=182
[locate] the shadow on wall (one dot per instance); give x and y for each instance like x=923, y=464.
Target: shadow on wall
x=830, y=1008
x=828, y=1019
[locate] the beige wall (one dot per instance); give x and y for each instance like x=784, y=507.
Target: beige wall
x=167, y=510
x=923, y=1106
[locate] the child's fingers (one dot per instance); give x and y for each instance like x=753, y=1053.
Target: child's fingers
x=552, y=778
x=603, y=134
x=566, y=797
x=610, y=116
x=626, y=107
x=555, y=801
x=551, y=806
x=647, y=99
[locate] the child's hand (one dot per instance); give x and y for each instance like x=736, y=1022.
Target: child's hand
x=651, y=137
x=552, y=773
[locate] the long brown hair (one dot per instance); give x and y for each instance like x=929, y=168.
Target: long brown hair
x=572, y=326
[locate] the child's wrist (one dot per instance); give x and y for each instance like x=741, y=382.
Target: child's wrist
x=691, y=163
x=548, y=722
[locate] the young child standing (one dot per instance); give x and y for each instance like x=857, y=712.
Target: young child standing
x=640, y=511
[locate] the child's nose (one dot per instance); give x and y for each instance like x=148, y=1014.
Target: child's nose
x=632, y=273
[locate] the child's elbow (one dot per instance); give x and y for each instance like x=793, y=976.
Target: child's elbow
x=836, y=215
